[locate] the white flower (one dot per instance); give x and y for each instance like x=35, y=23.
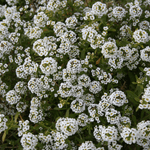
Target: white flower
x=12, y=97
x=135, y=11
x=3, y=121
x=68, y=126
x=29, y=141
x=140, y=36
x=95, y=87
x=48, y=66
x=87, y=145
x=129, y=135
x=99, y=9
x=77, y=105
x=145, y=54
x=109, y=49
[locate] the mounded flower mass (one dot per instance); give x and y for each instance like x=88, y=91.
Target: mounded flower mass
x=74, y=75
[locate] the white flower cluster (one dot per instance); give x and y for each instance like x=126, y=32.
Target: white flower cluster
x=102, y=76
x=67, y=126
x=82, y=119
x=3, y=68
x=36, y=113
x=87, y=145
x=29, y=67
x=60, y=70
x=112, y=116
x=21, y=107
x=109, y=134
x=129, y=135
x=117, y=14
x=118, y=98
x=59, y=140
x=124, y=31
x=23, y=127
x=143, y=132
x=12, y=97
x=135, y=11
x=140, y=36
x=94, y=112
x=45, y=46
x=65, y=89
x=145, y=101
x=77, y=105
x=3, y=121
x=12, y=3
x=20, y=87
x=48, y=66
x=5, y=48
x=88, y=99
x=91, y=35
x=39, y=85
x=71, y=22
x=40, y=19
x=3, y=88
x=109, y=49
x=29, y=141
x=147, y=70
x=33, y=32
x=145, y=54
x=55, y=5
x=113, y=145
x=124, y=122
x=95, y=87
x=99, y=9
x=144, y=25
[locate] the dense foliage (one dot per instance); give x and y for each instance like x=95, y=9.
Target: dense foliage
x=74, y=74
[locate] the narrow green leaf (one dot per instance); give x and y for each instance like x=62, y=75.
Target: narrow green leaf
x=141, y=69
x=16, y=116
x=83, y=54
x=139, y=89
x=112, y=30
x=56, y=108
x=129, y=30
x=134, y=119
x=67, y=113
x=132, y=96
x=4, y=136
x=137, y=99
x=142, y=114
x=137, y=109
x=131, y=76
x=134, y=83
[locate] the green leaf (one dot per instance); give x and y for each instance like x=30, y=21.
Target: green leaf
x=129, y=30
x=137, y=109
x=138, y=80
x=112, y=29
x=67, y=113
x=83, y=54
x=139, y=89
x=4, y=136
x=134, y=83
x=141, y=69
x=16, y=116
x=132, y=96
x=142, y=114
x=131, y=76
x=56, y=108
x=89, y=129
x=134, y=119
x=137, y=99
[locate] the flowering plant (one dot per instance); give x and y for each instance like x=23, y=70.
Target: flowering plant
x=74, y=75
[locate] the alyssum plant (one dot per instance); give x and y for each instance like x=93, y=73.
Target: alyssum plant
x=74, y=75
